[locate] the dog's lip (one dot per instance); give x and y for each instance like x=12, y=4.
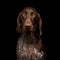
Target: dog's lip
x=27, y=29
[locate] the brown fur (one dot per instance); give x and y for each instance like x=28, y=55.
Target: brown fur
x=29, y=24
x=29, y=10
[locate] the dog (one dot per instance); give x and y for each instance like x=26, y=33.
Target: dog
x=29, y=45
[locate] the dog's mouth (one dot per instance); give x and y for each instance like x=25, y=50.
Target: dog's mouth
x=28, y=29
x=28, y=32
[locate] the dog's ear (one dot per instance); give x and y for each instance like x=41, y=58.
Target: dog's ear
x=19, y=24
x=40, y=23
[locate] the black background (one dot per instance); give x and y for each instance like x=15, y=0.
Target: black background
x=42, y=7
x=8, y=16
x=9, y=13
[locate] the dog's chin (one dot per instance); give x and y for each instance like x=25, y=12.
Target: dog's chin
x=27, y=30
x=27, y=36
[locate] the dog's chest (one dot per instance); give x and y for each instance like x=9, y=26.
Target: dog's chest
x=28, y=52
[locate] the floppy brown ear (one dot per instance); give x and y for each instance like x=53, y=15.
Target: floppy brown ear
x=18, y=29
x=40, y=23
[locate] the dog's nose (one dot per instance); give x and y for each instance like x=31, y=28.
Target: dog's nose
x=27, y=26
x=28, y=23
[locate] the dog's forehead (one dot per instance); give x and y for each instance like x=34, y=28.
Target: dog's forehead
x=29, y=9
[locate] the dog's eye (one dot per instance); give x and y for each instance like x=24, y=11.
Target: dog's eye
x=25, y=12
x=31, y=13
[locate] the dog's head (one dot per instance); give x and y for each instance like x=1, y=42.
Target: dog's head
x=29, y=19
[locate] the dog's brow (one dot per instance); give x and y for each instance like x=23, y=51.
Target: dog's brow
x=29, y=10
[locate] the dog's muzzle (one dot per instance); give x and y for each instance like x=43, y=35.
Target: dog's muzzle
x=28, y=24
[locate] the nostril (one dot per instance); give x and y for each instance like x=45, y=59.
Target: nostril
x=27, y=26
